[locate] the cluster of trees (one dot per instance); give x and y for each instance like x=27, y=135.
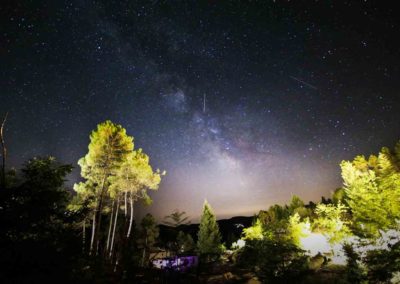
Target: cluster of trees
x=359, y=216
x=209, y=240
x=49, y=232
x=175, y=239
x=116, y=176
x=38, y=240
x=272, y=243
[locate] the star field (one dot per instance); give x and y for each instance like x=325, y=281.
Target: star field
x=242, y=103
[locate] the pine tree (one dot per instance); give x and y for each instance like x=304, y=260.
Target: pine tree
x=133, y=180
x=209, y=236
x=176, y=219
x=114, y=174
x=108, y=149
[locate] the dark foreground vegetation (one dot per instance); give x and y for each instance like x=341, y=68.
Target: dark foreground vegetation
x=52, y=234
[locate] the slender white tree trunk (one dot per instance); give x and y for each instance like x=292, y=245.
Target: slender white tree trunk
x=131, y=219
x=93, y=232
x=115, y=225
x=110, y=226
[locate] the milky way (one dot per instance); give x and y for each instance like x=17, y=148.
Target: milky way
x=290, y=90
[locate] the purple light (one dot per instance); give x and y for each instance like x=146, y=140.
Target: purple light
x=179, y=263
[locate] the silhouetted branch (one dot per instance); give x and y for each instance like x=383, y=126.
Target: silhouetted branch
x=4, y=153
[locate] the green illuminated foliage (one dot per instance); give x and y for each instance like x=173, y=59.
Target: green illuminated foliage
x=372, y=190
x=339, y=195
x=297, y=229
x=278, y=222
x=254, y=232
x=132, y=181
x=274, y=221
x=275, y=214
x=297, y=205
x=116, y=176
x=209, y=236
x=332, y=221
x=108, y=148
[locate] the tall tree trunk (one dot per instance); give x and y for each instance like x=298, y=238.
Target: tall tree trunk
x=131, y=219
x=110, y=226
x=115, y=225
x=101, y=195
x=93, y=232
x=98, y=212
x=4, y=153
x=83, y=235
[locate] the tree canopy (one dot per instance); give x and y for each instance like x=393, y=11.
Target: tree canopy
x=372, y=190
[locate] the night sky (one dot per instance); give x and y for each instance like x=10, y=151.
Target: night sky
x=242, y=102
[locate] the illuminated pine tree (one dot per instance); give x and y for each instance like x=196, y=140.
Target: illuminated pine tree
x=131, y=183
x=108, y=149
x=209, y=236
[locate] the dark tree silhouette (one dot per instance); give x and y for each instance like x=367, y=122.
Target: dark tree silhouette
x=4, y=153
